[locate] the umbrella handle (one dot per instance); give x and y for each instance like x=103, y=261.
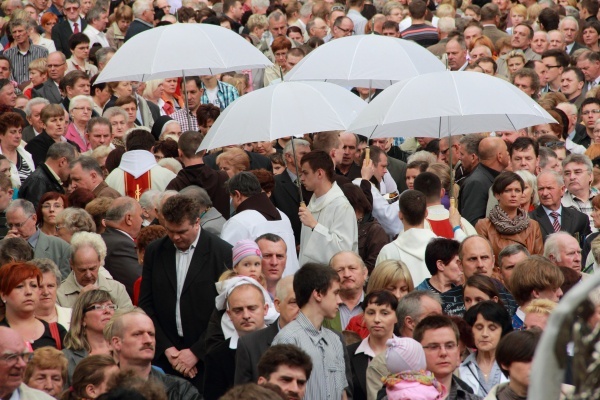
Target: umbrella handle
x=302, y=204
x=452, y=202
x=367, y=155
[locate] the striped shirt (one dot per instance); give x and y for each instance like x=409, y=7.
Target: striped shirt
x=20, y=62
x=328, y=377
x=423, y=34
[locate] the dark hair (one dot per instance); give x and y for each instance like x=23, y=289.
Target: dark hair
x=429, y=184
x=413, y=206
x=15, y=249
x=589, y=100
x=485, y=284
x=522, y=143
x=114, y=158
x=560, y=56
x=91, y=370
x=490, y=311
x=433, y=322
x=517, y=346
x=100, y=85
x=578, y=73
x=139, y=139
x=283, y=354
x=417, y=9
x=441, y=249
x=10, y=120
x=381, y=297
x=244, y=182
x=419, y=164
x=76, y=39
x=313, y=277
x=121, y=101
x=465, y=331
x=188, y=143
x=265, y=178
x=549, y=18
x=318, y=159
x=572, y=278
x=178, y=209
x=88, y=164
x=592, y=24
x=356, y=197
x=206, y=112
x=505, y=179
x=591, y=6
x=166, y=146
x=71, y=78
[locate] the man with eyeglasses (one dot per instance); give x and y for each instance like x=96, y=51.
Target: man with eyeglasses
x=589, y=113
x=88, y=252
x=337, y=10
x=556, y=61
x=73, y=23
x=577, y=173
x=13, y=361
x=57, y=66
x=22, y=222
x=342, y=27
x=143, y=12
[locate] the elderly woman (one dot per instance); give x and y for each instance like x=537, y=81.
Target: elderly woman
x=53, y=121
x=80, y=109
x=118, y=121
x=530, y=198
x=233, y=160
x=47, y=371
x=591, y=34
x=380, y=319
x=153, y=92
x=91, y=312
x=507, y=223
x=130, y=106
x=72, y=220
x=164, y=127
x=48, y=21
x=280, y=47
x=21, y=163
x=210, y=218
x=148, y=203
x=489, y=323
x=20, y=292
x=90, y=378
x=46, y=308
x=115, y=34
x=390, y=275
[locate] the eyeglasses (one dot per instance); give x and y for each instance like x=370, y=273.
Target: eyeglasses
x=71, y=8
x=18, y=226
x=54, y=65
x=86, y=109
x=103, y=307
x=588, y=112
x=12, y=358
x=554, y=145
x=338, y=8
x=346, y=31
x=553, y=66
x=436, y=347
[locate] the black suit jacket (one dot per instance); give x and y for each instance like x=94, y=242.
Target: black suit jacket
x=576, y=47
x=61, y=33
x=581, y=137
x=286, y=198
x=39, y=182
x=121, y=258
x=49, y=91
x=257, y=161
x=397, y=169
x=220, y=367
x=250, y=349
x=39, y=145
x=28, y=133
x=473, y=197
x=134, y=28
x=572, y=221
x=358, y=365
x=158, y=293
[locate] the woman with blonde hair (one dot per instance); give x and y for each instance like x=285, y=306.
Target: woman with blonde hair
x=390, y=275
x=530, y=199
x=515, y=60
x=233, y=161
x=537, y=313
x=47, y=371
x=153, y=92
x=517, y=14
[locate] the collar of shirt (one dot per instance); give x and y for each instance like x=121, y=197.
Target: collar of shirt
x=33, y=239
x=144, y=22
x=358, y=303
x=292, y=175
x=548, y=211
x=366, y=349
x=126, y=234
x=572, y=134
x=54, y=174
x=315, y=335
x=520, y=313
x=570, y=47
x=72, y=23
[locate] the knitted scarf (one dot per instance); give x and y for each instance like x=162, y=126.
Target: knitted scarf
x=506, y=226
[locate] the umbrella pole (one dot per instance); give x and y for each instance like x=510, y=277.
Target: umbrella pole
x=185, y=96
x=370, y=84
x=302, y=204
x=452, y=199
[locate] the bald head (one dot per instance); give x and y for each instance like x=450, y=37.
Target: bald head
x=493, y=153
x=477, y=256
x=12, y=374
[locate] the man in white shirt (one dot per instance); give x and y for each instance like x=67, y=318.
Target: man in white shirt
x=97, y=19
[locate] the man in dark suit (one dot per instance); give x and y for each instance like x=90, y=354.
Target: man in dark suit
x=57, y=66
x=73, y=23
x=252, y=346
x=551, y=215
x=143, y=12
x=490, y=18
x=178, y=287
x=288, y=367
x=123, y=224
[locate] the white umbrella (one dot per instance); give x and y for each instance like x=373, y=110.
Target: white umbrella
x=369, y=61
x=284, y=109
x=182, y=50
x=448, y=103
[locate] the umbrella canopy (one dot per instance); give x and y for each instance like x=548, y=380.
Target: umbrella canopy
x=284, y=109
x=365, y=61
x=448, y=103
x=182, y=49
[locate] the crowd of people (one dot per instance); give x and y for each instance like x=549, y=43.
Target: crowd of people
x=327, y=267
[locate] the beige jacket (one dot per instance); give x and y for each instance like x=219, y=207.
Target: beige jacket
x=69, y=291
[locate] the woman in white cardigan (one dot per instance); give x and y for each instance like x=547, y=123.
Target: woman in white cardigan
x=11, y=147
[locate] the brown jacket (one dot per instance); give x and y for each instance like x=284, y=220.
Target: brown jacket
x=531, y=237
x=103, y=190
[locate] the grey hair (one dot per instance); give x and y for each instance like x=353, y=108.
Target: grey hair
x=282, y=289
x=568, y=18
x=446, y=24
x=197, y=193
x=111, y=112
x=76, y=220
x=117, y=212
x=34, y=102
x=276, y=16
x=471, y=143
x=260, y=3
x=88, y=239
x=578, y=159
x=559, y=179
x=25, y=205
x=410, y=305
x=552, y=244
x=545, y=154
x=139, y=6
x=170, y=163
x=47, y=265
x=306, y=9
x=511, y=250
x=422, y=155
x=358, y=258
x=94, y=13
x=102, y=54
x=164, y=196
x=148, y=198
x=287, y=149
x=60, y=150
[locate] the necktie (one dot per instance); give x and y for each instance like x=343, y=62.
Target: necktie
x=75, y=27
x=555, y=224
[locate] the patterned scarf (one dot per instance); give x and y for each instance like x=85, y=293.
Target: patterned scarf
x=506, y=226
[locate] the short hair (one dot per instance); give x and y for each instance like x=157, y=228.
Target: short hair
x=418, y=164
x=148, y=234
x=313, y=277
x=265, y=178
x=178, y=209
x=90, y=370
x=198, y=193
x=568, y=18
x=115, y=327
x=39, y=64
x=504, y=179
x=471, y=142
x=48, y=17
x=381, y=297
x=318, y=159
x=244, y=182
x=545, y=155
x=389, y=272
x=559, y=55
x=482, y=60
x=511, y=250
x=522, y=143
x=485, y=284
x=326, y=141
x=287, y=149
x=517, y=346
x=78, y=38
x=139, y=6
x=578, y=73
x=123, y=12
x=410, y=305
x=413, y=206
x=76, y=220
x=417, y=9
x=540, y=306
x=489, y=11
x=120, y=208
x=257, y=21
x=206, y=112
x=51, y=111
x=97, y=208
x=88, y=164
x=189, y=142
x=35, y=101
x=440, y=249
x=15, y=249
x=549, y=18
x=97, y=121
x=490, y=311
x=60, y=150
x=534, y=273
x=578, y=159
x=47, y=265
x=429, y=184
x=71, y=78
x=10, y=120
x=81, y=240
x=434, y=322
x=283, y=354
x=139, y=139
x=589, y=100
x=121, y=101
x=281, y=43
x=446, y=24
x=114, y=111
x=528, y=73
x=238, y=158
x=13, y=273
x=18, y=22
x=356, y=197
x=46, y=358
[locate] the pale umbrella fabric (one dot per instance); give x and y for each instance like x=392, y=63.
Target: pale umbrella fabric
x=182, y=50
x=448, y=103
x=365, y=61
x=284, y=109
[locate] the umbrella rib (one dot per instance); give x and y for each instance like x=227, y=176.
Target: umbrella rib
x=353, y=58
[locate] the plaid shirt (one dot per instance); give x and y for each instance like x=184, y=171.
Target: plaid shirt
x=226, y=94
x=20, y=62
x=181, y=117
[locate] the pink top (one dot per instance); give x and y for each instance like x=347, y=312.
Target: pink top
x=73, y=135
